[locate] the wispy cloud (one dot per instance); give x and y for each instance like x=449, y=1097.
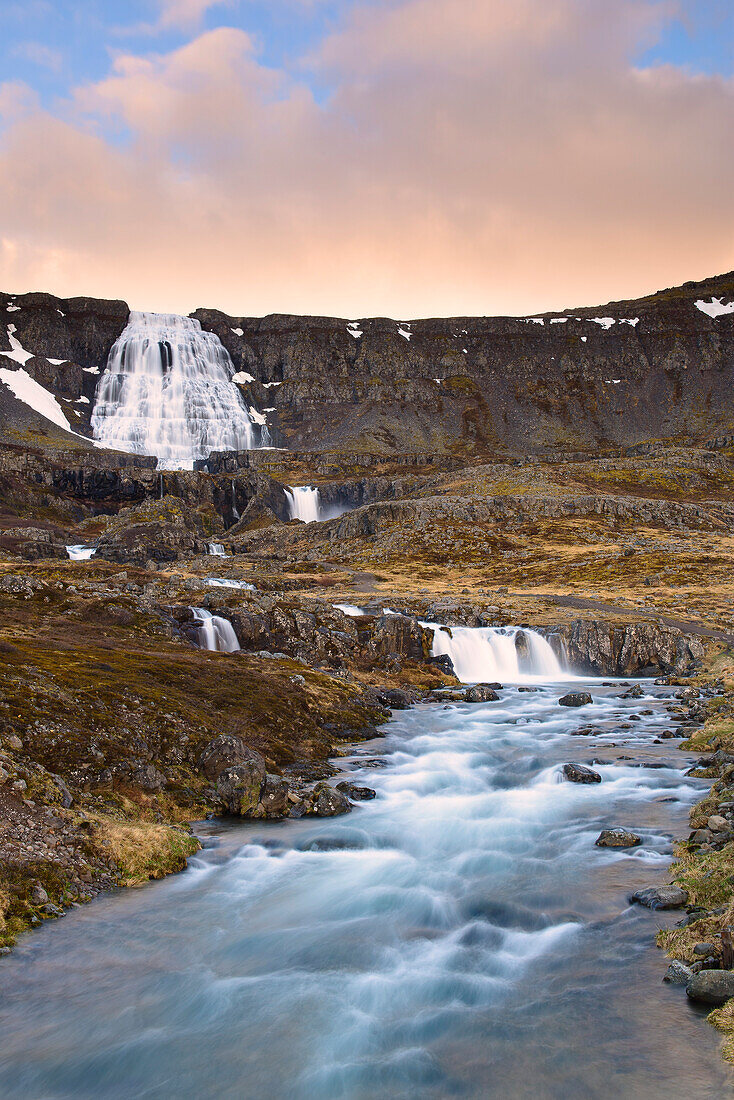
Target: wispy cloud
x=39, y=54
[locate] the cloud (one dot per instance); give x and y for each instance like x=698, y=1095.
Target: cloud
x=40, y=55
x=502, y=157
x=185, y=14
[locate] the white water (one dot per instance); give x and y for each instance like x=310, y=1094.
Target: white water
x=226, y=582
x=168, y=391
x=491, y=653
x=460, y=936
x=216, y=550
x=350, y=609
x=81, y=553
x=305, y=503
x=215, y=633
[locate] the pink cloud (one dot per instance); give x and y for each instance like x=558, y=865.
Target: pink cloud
x=471, y=158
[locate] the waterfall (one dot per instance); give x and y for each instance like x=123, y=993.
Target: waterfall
x=216, y=550
x=81, y=553
x=168, y=391
x=496, y=653
x=235, y=511
x=215, y=633
x=304, y=502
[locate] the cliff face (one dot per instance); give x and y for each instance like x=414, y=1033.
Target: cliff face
x=616, y=375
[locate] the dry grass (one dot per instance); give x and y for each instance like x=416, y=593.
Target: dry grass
x=723, y=1019
x=142, y=850
x=4, y=907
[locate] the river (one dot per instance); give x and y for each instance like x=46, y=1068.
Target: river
x=459, y=936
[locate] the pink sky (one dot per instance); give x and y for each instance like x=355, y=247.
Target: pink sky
x=471, y=158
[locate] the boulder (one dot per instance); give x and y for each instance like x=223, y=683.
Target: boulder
x=147, y=778
x=718, y=823
x=326, y=801
x=678, y=973
x=274, y=800
x=225, y=752
x=711, y=987
x=481, y=693
x=576, y=699
x=355, y=793
x=617, y=838
x=660, y=897
x=577, y=773
x=238, y=788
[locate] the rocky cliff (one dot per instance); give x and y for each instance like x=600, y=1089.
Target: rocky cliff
x=588, y=379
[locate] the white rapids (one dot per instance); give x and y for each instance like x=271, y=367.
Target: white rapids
x=497, y=653
x=215, y=633
x=81, y=552
x=168, y=391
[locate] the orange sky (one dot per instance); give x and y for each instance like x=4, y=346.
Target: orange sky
x=470, y=158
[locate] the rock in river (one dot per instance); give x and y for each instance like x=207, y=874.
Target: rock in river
x=660, y=897
x=239, y=787
x=617, y=838
x=357, y=794
x=576, y=699
x=712, y=987
x=577, y=773
x=482, y=693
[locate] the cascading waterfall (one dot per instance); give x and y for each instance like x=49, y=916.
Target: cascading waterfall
x=305, y=503
x=215, y=633
x=167, y=391
x=496, y=653
x=216, y=550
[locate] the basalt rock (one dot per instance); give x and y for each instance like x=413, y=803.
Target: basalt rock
x=576, y=699
x=225, y=752
x=599, y=648
x=617, y=838
x=660, y=897
x=238, y=788
x=711, y=987
x=577, y=773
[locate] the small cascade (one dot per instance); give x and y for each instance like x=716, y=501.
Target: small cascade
x=81, y=553
x=216, y=550
x=235, y=511
x=215, y=633
x=305, y=503
x=496, y=653
x=168, y=391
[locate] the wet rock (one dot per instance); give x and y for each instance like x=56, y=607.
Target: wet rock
x=238, y=787
x=704, y=949
x=274, y=798
x=678, y=973
x=395, y=699
x=576, y=699
x=577, y=773
x=326, y=801
x=355, y=793
x=617, y=838
x=481, y=693
x=660, y=897
x=711, y=987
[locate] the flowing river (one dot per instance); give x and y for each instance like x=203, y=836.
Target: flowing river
x=459, y=936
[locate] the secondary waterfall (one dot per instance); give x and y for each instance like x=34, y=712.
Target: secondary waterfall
x=496, y=653
x=215, y=633
x=304, y=502
x=168, y=391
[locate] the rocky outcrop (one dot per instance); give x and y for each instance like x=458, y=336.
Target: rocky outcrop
x=156, y=531
x=599, y=648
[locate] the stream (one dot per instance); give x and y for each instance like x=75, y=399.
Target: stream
x=458, y=936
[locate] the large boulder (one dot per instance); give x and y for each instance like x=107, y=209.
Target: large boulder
x=239, y=787
x=660, y=897
x=617, y=838
x=274, y=798
x=576, y=699
x=711, y=987
x=225, y=752
x=326, y=801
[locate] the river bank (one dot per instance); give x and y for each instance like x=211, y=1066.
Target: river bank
x=431, y=940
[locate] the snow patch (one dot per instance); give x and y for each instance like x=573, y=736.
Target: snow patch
x=584, y=339
x=238, y=331
x=256, y=416
x=612, y=381
x=82, y=400
x=267, y=385
x=242, y=376
x=605, y=322
x=634, y=321
x=17, y=351
x=88, y=370
x=13, y=309
x=404, y=331
x=533, y=320
x=59, y=362
x=715, y=308
x=354, y=330
x=27, y=390
x=559, y=320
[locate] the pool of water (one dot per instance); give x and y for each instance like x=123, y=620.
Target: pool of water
x=459, y=936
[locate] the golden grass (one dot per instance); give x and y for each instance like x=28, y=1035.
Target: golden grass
x=723, y=1019
x=142, y=850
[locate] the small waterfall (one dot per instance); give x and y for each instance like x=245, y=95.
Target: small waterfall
x=235, y=511
x=215, y=633
x=168, y=391
x=304, y=502
x=81, y=553
x=216, y=550
x=496, y=653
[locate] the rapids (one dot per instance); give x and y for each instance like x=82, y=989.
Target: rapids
x=459, y=936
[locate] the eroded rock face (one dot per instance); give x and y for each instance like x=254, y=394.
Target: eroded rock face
x=599, y=648
x=225, y=752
